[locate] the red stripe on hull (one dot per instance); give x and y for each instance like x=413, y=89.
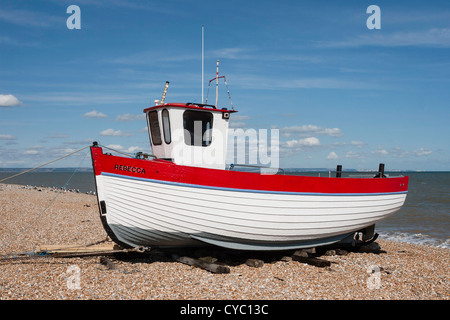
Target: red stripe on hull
x=168, y=171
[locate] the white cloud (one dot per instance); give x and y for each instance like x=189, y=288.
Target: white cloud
x=68, y=150
x=29, y=18
x=31, y=152
x=116, y=133
x=7, y=137
x=422, y=152
x=358, y=144
x=380, y=152
x=237, y=121
x=8, y=100
x=237, y=125
x=354, y=155
x=233, y=53
x=398, y=152
x=15, y=42
x=132, y=149
x=130, y=117
x=306, y=142
x=152, y=57
x=429, y=38
x=83, y=98
x=309, y=129
x=239, y=117
x=311, y=141
x=94, y=114
x=246, y=53
x=291, y=147
x=57, y=136
x=332, y=155
x=261, y=82
x=115, y=146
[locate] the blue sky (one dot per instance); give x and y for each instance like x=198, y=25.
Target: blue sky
x=339, y=92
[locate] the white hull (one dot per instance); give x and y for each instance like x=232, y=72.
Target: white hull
x=157, y=213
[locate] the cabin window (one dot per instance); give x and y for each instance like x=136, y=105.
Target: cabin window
x=155, y=132
x=166, y=126
x=197, y=128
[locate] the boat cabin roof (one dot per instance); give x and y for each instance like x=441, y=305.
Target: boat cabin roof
x=192, y=134
x=190, y=105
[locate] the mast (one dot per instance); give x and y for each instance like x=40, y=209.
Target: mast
x=165, y=92
x=217, y=82
x=203, y=59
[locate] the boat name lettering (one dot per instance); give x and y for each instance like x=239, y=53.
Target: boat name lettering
x=129, y=168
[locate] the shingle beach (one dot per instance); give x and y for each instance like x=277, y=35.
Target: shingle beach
x=400, y=271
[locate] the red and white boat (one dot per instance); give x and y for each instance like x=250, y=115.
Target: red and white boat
x=174, y=198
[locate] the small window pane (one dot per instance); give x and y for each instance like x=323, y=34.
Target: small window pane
x=166, y=126
x=197, y=128
x=155, y=131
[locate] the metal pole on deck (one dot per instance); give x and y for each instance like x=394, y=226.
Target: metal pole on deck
x=339, y=171
x=203, y=59
x=381, y=170
x=217, y=82
x=164, y=93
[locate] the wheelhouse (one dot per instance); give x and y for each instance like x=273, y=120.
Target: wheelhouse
x=189, y=134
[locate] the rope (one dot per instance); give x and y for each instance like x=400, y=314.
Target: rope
x=79, y=246
x=229, y=96
x=127, y=154
x=226, y=85
x=33, y=254
x=67, y=155
x=57, y=195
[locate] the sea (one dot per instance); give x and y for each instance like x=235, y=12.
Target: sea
x=424, y=219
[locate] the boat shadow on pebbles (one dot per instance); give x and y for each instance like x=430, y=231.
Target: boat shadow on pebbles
x=221, y=260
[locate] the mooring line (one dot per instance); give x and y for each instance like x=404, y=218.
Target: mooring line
x=58, y=193
x=67, y=155
x=127, y=154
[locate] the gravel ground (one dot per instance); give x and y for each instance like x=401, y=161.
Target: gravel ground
x=399, y=271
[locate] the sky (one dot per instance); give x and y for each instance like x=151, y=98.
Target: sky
x=339, y=90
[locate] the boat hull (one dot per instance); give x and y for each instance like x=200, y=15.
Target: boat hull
x=145, y=209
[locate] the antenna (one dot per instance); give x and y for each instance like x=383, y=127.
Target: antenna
x=164, y=93
x=203, y=59
x=217, y=82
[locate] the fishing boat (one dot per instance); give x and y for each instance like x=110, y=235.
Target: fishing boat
x=184, y=193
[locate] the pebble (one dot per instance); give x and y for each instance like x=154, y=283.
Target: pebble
x=400, y=271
